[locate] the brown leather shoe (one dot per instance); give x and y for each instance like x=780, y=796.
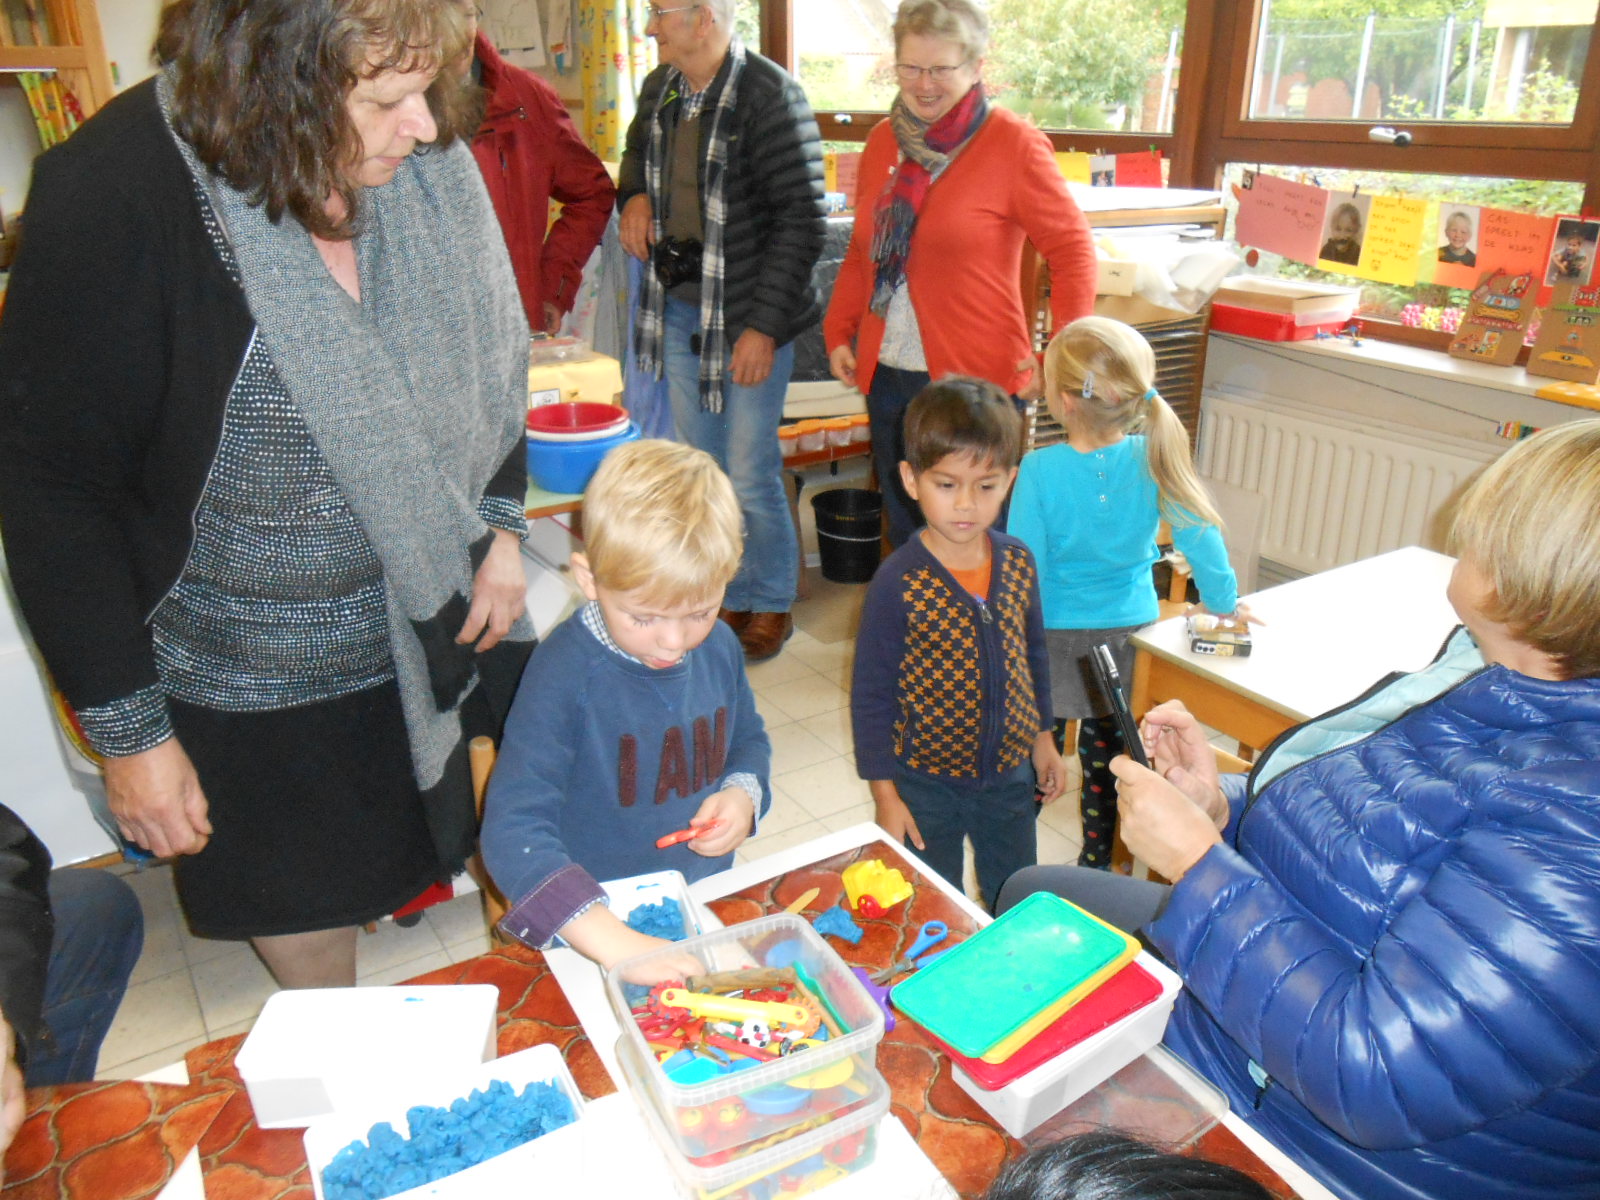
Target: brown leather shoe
x=764, y=635
x=733, y=619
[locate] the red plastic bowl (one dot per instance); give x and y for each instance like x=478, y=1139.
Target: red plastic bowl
x=576, y=417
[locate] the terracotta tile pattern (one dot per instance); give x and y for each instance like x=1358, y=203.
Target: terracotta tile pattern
x=121, y=1141
x=111, y=1141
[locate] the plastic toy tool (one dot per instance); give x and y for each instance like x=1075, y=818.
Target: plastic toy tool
x=685, y=835
x=871, y=880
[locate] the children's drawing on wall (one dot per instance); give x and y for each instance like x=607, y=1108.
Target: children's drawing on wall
x=1572, y=251
x=1346, y=227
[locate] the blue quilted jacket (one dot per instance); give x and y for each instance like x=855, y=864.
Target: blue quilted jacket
x=1392, y=966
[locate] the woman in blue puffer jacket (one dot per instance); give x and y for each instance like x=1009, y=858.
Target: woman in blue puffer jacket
x=1389, y=933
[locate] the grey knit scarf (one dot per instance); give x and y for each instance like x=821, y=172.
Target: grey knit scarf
x=414, y=396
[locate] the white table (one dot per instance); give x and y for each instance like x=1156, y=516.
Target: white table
x=1323, y=641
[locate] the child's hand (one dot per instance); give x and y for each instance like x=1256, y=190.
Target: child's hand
x=597, y=933
x=1049, y=770
x=1240, y=616
x=892, y=815
x=731, y=810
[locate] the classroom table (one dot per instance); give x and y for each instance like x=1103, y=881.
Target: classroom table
x=1323, y=641
x=127, y=1137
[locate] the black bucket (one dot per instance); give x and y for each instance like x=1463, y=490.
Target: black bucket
x=849, y=533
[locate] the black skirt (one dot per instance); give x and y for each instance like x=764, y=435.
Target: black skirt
x=316, y=819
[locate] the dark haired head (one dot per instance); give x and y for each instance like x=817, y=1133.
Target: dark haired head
x=970, y=418
x=1109, y=1166
x=260, y=88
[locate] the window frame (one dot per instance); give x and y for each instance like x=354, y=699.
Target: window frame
x=1211, y=125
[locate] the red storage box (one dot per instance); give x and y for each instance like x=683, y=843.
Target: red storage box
x=1267, y=326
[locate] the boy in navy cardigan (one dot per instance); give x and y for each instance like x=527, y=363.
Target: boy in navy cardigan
x=634, y=719
x=950, y=701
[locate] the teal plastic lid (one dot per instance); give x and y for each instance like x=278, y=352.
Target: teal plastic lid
x=979, y=993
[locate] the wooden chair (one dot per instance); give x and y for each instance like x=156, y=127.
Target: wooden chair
x=481, y=756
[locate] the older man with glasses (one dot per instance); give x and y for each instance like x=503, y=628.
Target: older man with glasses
x=721, y=191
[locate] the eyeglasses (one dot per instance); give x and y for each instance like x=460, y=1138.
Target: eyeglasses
x=655, y=12
x=910, y=74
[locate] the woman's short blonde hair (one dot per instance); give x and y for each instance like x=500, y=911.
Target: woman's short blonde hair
x=661, y=519
x=958, y=21
x=1531, y=523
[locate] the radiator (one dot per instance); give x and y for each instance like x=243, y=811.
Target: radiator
x=1335, y=487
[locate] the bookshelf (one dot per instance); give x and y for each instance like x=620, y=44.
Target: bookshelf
x=63, y=36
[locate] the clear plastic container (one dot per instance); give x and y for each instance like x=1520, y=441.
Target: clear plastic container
x=789, y=440
x=860, y=428
x=544, y=349
x=837, y=430
x=714, y=1115
x=813, y=436
x=812, y=1156
x=1157, y=1098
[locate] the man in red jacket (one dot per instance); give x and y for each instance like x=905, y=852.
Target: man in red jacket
x=530, y=152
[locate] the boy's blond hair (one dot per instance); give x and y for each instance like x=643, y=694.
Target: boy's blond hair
x=1110, y=372
x=1531, y=523
x=661, y=519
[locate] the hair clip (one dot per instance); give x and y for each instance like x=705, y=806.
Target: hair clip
x=1088, y=385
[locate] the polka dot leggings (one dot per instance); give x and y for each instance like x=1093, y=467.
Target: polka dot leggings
x=1099, y=741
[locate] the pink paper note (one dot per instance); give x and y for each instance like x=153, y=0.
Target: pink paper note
x=1280, y=216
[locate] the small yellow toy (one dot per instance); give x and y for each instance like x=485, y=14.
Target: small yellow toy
x=885, y=885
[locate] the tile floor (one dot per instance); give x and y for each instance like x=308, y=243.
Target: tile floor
x=187, y=990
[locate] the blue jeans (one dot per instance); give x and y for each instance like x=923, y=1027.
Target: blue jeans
x=99, y=933
x=891, y=392
x=1001, y=820
x=743, y=438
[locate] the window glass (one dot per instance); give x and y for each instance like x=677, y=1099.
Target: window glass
x=1069, y=64
x=1431, y=302
x=1421, y=60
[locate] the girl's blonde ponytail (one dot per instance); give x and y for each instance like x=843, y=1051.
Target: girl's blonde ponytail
x=1109, y=370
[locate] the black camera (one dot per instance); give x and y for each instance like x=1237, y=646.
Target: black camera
x=677, y=260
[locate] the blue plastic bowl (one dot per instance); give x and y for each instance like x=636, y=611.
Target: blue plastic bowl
x=567, y=466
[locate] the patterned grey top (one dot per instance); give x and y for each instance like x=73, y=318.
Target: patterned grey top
x=281, y=602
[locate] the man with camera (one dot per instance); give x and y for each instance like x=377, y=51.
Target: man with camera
x=721, y=192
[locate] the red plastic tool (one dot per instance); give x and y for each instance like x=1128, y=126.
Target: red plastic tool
x=685, y=835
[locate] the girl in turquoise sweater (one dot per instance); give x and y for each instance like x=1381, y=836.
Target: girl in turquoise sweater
x=1089, y=508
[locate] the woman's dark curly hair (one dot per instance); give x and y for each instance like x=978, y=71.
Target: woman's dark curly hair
x=260, y=88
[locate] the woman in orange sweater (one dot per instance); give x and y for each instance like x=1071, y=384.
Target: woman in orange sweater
x=948, y=188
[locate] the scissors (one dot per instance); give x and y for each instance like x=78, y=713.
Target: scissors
x=929, y=936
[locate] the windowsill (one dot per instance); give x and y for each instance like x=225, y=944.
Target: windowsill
x=1416, y=360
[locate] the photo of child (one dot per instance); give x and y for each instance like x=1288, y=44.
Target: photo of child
x=1458, y=230
x=1347, y=221
x=1572, y=251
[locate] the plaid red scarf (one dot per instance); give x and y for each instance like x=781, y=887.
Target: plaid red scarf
x=926, y=150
